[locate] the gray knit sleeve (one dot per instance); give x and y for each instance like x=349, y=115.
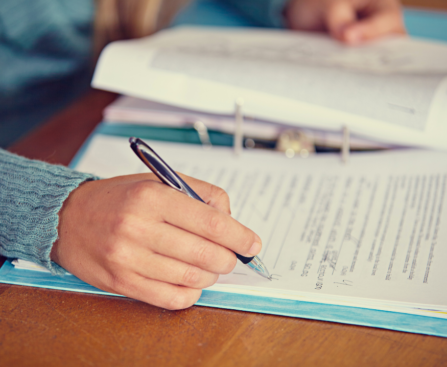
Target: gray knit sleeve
x=31, y=195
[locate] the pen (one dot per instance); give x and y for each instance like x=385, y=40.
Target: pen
x=167, y=175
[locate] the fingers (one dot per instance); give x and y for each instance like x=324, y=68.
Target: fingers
x=339, y=15
x=165, y=295
x=168, y=270
x=152, y=200
x=178, y=244
x=350, y=21
x=305, y=15
x=377, y=25
x=135, y=236
x=209, y=223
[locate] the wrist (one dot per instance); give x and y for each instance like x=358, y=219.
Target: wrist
x=69, y=209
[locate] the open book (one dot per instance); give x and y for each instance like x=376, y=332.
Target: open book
x=393, y=91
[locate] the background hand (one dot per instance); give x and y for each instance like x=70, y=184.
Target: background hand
x=350, y=21
x=135, y=236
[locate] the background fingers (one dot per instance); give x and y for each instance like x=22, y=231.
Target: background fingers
x=339, y=15
x=379, y=24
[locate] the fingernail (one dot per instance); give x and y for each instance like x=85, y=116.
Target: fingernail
x=353, y=36
x=254, y=249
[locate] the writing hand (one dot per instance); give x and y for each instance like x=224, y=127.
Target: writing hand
x=135, y=236
x=350, y=21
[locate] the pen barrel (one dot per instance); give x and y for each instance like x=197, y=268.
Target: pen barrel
x=244, y=259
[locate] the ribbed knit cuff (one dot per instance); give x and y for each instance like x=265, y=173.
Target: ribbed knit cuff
x=31, y=196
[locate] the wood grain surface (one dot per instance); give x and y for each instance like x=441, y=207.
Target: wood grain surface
x=41, y=327
x=428, y=4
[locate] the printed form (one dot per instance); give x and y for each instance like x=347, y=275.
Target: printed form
x=371, y=233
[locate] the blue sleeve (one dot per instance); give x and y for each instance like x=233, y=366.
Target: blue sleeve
x=31, y=196
x=268, y=13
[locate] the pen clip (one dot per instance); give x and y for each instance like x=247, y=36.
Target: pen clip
x=165, y=173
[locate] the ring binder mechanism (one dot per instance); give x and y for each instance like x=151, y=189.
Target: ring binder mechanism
x=238, y=128
x=295, y=142
x=345, y=146
x=204, y=137
x=258, y=134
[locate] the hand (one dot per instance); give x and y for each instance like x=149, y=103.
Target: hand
x=135, y=236
x=350, y=21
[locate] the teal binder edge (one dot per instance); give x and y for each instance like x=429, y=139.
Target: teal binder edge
x=282, y=307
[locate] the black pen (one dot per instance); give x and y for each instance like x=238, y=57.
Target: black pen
x=168, y=176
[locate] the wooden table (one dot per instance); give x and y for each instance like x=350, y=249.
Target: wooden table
x=40, y=327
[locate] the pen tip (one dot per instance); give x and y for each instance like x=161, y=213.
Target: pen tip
x=132, y=140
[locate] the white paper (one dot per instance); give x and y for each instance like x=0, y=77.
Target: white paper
x=370, y=234
x=394, y=90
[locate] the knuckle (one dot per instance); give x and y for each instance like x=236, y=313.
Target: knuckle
x=121, y=225
x=143, y=191
x=220, y=194
x=139, y=190
x=220, y=198
x=180, y=300
x=191, y=277
x=118, y=284
x=117, y=254
x=204, y=255
x=215, y=226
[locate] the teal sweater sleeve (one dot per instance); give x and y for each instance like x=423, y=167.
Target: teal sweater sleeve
x=268, y=13
x=31, y=196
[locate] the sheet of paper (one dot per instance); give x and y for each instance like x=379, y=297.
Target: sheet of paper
x=394, y=90
x=371, y=233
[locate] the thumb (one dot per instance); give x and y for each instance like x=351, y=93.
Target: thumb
x=375, y=26
x=339, y=15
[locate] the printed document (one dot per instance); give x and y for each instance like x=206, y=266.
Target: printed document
x=371, y=233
